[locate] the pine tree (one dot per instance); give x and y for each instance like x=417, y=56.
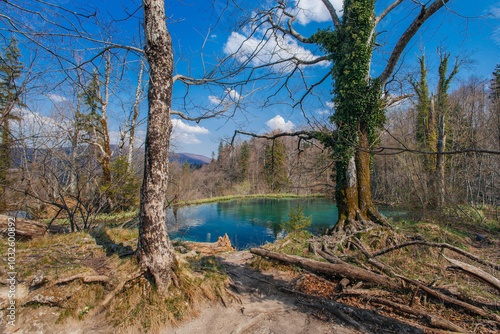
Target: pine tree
x=275, y=166
x=243, y=161
x=10, y=96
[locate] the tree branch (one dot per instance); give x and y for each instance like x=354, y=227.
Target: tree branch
x=333, y=14
x=424, y=14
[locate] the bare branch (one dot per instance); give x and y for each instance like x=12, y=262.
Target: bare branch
x=387, y=11
x=306, y=135
x=333, y=14
x=400, y=46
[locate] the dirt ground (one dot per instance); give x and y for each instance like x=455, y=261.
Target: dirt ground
x=261, y=309
x=258, y=306
x=264, y=308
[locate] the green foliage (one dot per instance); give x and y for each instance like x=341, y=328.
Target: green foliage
x=296, y=220
x=243, y=161
x=275, y=166
x=357, y=97
x=124, y=192
x=495, y=85
x=90, y=120
x=10, y=96
x=444, y=83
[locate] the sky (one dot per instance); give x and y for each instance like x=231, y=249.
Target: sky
x=203, y=33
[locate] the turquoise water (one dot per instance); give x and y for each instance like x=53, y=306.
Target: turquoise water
x=250, y=222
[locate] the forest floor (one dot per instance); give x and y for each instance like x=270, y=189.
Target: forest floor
x=64, y=280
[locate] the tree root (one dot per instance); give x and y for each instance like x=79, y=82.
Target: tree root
x=119, y=288
x=339, y=268
x=85, y=279
x=431, y=319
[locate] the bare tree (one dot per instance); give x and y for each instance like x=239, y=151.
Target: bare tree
x=359, y=98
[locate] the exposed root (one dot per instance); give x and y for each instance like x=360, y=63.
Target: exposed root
x=119, y=288
x=85, y=279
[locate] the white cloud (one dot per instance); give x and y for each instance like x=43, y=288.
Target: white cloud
x=214, y=100
x=315, y=11
x=272, y=50
x=57, y=98
x=330, y=105
x=278, y=122
x=39, y=131
x=180, y=126
x=185, y=133
x=323, y=111
x=230, y=95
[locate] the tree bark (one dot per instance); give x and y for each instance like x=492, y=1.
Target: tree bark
x=133, y=122
x=440, y=182
x=338, y=269
x=154, y=250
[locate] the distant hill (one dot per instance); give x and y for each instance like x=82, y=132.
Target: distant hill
x=192, y=159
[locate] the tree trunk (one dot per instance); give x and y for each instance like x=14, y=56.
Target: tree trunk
x=154, y=249
x=133, y=122
x=440, y=183
x=106, y=149
x=346, y=193
x=366, y=207
x=354, y=191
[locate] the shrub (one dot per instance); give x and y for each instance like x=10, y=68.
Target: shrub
x=296, y=220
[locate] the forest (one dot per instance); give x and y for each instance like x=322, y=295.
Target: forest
x=373, y=109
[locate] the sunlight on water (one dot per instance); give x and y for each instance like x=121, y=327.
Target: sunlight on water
x=250, y=222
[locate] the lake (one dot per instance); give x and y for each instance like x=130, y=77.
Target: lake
x=251, y=222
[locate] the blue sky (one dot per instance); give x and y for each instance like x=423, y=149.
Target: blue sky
x=463, y=28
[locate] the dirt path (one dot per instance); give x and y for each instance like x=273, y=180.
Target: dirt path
x=263, y=308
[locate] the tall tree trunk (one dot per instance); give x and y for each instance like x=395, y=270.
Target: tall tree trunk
x=133, y=122
x=73, y=180
x=154, y=249
x=346, y=193
x=366, y=207
x=440, y=183
x=106, y=149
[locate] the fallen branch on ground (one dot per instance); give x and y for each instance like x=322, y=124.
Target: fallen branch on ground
x=452, y=301
x=431, y=319
x=439, y=245
x=342, y=270
x=85, y=278
x=474, y=272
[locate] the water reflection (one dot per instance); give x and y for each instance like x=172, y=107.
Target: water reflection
x=248, y=222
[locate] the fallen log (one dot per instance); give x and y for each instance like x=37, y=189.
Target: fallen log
x=207, y=248
x=474, y=272
x=26, y=229
x=440, y=245
x=452, y=301
x=333, y=269
x=430, y=319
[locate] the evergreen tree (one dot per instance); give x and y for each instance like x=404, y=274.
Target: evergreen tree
x=495, y=98
x=275, y=166
x=10, y=96
x=243, y=161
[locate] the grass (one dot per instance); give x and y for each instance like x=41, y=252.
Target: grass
x=255, y=196
x=416, y=262
x=138, y=307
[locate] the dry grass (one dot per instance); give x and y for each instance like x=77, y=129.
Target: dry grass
x=418, y=262
x=138, y=307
